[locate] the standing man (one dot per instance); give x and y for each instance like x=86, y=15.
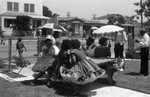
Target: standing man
x=120, y=39
x=144, y=46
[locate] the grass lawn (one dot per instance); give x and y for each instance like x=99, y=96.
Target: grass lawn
x=126, y=79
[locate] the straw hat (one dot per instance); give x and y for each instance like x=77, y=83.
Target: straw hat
x=51, y=38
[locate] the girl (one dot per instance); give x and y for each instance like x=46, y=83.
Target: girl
x=20, y=46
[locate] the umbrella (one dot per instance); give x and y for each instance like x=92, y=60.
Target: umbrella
x=108, y=29
x=55, y=27
x=94, y=28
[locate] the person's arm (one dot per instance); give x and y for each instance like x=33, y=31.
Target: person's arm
x=16, y=46
x=125, y=37
x=24, y=47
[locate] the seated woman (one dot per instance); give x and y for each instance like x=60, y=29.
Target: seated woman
x=102, y=51
x=63, y=58
x=45, y=61
x=83, y=70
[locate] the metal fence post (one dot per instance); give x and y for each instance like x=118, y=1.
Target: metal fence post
x=9, y=53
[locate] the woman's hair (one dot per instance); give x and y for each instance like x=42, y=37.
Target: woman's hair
x=48, y=41
x=75, y=44
x=103, y=41
x=19, y=39
x=66, y=44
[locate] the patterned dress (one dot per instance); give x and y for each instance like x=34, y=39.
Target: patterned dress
x=46, y=60
x=83, y=71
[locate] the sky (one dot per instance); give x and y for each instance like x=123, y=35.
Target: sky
x=86, y=8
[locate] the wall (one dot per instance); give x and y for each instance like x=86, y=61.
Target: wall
x=38, y=5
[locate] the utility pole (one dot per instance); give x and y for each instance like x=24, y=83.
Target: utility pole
x=68, y=14
x=141, y=5
x=94, y=16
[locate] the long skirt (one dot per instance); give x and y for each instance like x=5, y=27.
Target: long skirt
x=43, y=63
x=82, y=73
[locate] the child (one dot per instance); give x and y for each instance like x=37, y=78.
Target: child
x=20, y=46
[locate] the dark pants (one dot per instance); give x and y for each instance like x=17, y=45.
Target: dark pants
x=118, y=49
x=144, y=61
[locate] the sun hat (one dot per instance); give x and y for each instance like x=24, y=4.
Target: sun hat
x=51, y=38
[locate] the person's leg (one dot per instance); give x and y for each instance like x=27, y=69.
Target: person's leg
x=116, y=50
x=49, y=71
x=142, y=61
x=144, y=64
x=121, y=50
x=37, y=77
x=76, y=89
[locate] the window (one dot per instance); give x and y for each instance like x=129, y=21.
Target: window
x=12, y=6
x=9, y=6
x=16, y=7
x=26, y=7
x=29, y=7
x=9, y=23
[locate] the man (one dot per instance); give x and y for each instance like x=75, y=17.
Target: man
x=144, y=46
x=120, y=39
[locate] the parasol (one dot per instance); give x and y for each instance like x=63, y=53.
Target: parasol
x=108, y=29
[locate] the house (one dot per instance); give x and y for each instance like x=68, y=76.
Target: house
x=78, y=25
x=10, y=9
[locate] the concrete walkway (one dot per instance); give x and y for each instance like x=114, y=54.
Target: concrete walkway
x=96, y=90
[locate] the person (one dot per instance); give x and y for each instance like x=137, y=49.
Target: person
x=20, y=46
x=46, y=60
x=56, y=35
x=120, y=39
x=83, y=70
x=103, y=51
x=63, y=58
x=144, y=46
x=90, y=42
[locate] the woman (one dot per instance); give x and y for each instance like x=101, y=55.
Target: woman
x=46, y=60
x=83, y=70
x=102, y=51
x=63, y=58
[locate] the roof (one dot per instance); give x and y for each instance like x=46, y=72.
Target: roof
x=34, y=16
x=81, y=19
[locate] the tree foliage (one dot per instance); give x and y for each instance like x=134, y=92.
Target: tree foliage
x=144, y=7
x=47, y=12
x=115, y=19
x=22, y=23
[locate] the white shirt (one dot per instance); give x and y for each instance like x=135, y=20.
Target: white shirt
x=121, y=37
x=145, y=40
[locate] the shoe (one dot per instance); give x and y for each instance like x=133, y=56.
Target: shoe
x=32, y=83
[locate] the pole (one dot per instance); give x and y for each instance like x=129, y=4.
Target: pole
x=141, y=5
x=9, y=53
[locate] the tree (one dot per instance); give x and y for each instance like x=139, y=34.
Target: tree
x=115, y=19
x=144, y=8
x=22, y=23
x=46, y=12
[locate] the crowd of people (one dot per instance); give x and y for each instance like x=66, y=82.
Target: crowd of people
x=70, y=61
